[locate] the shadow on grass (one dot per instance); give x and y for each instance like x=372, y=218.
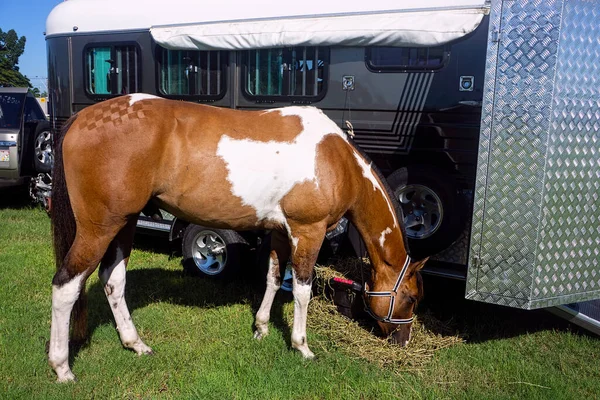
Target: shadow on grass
x=479, y=322
x=156, y=285
x=444, y=310
x=15, y=197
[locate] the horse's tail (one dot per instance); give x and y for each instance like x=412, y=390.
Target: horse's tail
x=63, y=225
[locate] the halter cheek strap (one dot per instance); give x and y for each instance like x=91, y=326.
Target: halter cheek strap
x=392, y=295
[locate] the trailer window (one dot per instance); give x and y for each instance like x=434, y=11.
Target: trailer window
x=406, y=58
x=192, y=73
x=286, y=73
x=112, y=70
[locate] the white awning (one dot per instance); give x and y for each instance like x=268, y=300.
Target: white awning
x=412, y=25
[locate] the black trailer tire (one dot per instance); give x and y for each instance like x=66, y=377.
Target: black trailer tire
x=433, y=213
x=214, y=253
x=42, y=149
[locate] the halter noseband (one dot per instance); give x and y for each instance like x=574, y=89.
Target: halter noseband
x=392, y=295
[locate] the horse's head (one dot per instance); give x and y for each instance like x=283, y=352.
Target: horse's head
x=393, y=298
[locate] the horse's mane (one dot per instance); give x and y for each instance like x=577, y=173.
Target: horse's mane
x=387, y=188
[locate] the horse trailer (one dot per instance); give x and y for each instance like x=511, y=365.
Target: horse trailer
x=483, y=115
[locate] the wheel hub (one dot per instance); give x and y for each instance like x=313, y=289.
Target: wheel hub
x=43, y=148
x=209, y=252
x=423, y=211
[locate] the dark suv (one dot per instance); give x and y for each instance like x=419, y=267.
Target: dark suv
x=25, y=137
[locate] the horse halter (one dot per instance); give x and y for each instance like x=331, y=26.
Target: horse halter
x=392, y=295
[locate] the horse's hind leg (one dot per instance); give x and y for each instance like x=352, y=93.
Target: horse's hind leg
x=81, y=260
x=112, y=276
x=280, y=253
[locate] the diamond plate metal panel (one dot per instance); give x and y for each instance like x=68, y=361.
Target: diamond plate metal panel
x=535, y=235
x=568, y=249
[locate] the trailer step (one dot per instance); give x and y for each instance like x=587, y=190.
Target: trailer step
x=585, y=314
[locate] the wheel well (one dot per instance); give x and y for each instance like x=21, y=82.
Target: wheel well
x=178, y=227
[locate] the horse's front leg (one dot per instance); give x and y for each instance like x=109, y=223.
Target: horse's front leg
x=306, y=243
x=280, y=253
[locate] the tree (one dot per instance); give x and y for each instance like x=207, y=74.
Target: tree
x=11, y=48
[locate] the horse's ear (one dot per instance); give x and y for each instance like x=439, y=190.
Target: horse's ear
x=420, y=264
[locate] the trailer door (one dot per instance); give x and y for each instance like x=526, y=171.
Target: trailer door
x=535, y=240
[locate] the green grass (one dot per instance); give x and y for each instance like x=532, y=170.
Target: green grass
x=201, y=332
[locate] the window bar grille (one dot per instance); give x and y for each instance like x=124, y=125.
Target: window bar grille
x=136, y=77
x=179, y=65
x=118, y=65
x=304, y=72
x=269, y=73
x=279, y=72
x=292, y=79
x=90, y=68
x=257, y=76
x=126, y=70
x=199, y=82
x=316, y=71
x=169, y=72
x=218, y=89
x=208, y=53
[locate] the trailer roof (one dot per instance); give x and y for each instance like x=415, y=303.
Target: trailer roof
x=235, y=24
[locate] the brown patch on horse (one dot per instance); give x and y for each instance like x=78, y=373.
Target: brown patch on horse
x=260, y=126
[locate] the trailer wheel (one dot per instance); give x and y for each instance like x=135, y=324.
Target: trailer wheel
x=432, y=211
x=214, y=253
x=42, y=149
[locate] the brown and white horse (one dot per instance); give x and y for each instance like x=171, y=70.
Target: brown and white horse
x=289, y=170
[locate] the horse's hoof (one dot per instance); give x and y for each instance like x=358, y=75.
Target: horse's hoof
x=259, y=335
x=140, y=348
x=66, y=377
x=147, y=351
x=305, y=351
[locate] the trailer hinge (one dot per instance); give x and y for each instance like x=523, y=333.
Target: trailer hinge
x=475, y=261
x=496, y=35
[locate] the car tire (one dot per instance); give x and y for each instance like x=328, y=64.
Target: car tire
x=213, y=253
x=42, y=149
x=433, y=212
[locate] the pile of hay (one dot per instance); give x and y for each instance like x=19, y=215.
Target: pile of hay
x=358, y=338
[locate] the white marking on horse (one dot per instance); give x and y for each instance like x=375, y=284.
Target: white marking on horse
x=262, y=173
x=63, y=298
x=301, y=299
x=113, y=279
x=368, y=174
x=264, y=312
x=292, y=238
x=382, y=237
x=135, y=97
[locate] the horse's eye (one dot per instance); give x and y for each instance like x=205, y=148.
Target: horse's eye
x=411, y=299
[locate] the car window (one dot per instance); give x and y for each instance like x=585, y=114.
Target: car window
x=10, y=109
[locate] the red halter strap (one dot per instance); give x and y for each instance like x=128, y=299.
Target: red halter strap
x=392, y=295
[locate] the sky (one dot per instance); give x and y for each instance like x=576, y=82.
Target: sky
x=28, y=18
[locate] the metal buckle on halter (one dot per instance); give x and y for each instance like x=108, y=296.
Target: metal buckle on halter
x=392, y=295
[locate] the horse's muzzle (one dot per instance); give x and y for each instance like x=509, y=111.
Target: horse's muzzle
x=402, y=335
